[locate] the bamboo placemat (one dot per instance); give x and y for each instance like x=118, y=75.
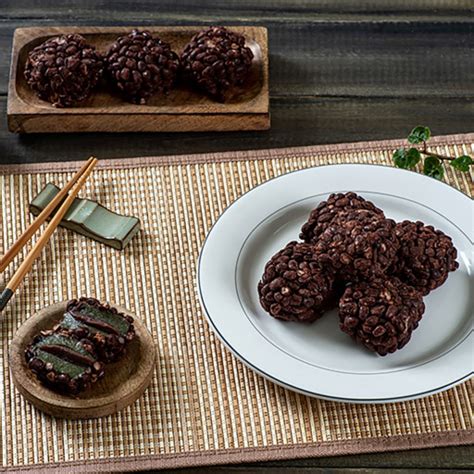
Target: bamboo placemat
x=203, y=406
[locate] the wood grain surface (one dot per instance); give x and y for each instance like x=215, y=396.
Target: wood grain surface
x=340, y=71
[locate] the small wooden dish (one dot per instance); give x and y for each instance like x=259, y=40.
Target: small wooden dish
x=183, y=109
x=124, y=381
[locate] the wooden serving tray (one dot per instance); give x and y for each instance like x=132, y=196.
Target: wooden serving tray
x=183, y=109
x=124, y=380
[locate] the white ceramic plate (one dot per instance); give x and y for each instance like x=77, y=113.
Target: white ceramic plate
x=318, y=359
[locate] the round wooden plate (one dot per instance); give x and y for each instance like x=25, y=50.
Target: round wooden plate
x=123, y=383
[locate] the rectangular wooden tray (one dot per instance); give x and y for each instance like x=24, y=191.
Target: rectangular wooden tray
x=183, y=109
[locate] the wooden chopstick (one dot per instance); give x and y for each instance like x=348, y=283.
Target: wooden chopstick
x=24, y=268
x=41, y=218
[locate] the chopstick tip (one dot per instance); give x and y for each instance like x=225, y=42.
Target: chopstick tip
x=5, y=297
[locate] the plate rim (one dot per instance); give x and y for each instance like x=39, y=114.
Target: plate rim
x=273, y=378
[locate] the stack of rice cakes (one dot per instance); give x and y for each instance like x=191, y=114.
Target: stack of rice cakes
x=70, y=357
x=376, y=269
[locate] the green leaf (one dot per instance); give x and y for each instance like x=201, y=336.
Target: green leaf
x=462, y=163
x=406, y=159
x=413, y=157
x=432, y=167
x=400, y=158
x=419, y=134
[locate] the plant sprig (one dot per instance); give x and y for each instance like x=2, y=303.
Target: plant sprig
x=408, y=158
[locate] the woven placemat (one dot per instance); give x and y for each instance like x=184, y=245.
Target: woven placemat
x=203, y=406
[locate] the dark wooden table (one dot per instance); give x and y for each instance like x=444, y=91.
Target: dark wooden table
x=340, y=71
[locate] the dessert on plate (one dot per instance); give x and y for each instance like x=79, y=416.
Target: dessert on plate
x=378, y=271
x=72, y=356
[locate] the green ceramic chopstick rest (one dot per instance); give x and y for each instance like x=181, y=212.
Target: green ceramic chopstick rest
x=91, y=219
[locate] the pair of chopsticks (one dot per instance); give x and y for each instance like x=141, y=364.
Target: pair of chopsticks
x=74, y=186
